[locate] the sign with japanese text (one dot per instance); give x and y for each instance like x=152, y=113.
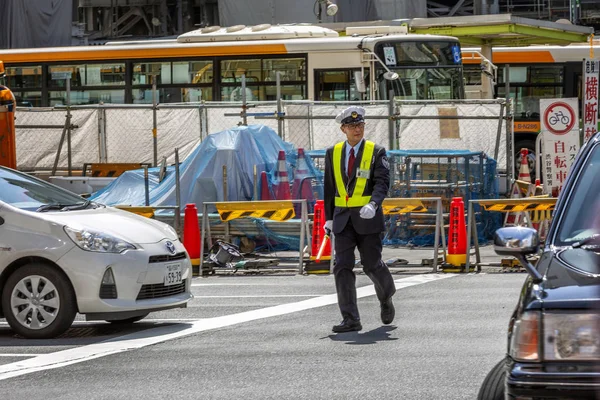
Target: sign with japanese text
x=591, y=75
x=560, y=130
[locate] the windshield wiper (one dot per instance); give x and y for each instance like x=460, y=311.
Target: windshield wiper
x=585, y=242
x=64, y=207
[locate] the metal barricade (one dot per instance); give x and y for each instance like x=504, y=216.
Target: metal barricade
x=392, y=206
x=525, y=205
x=259, y=209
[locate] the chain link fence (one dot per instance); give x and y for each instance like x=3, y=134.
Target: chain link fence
x=71, y=136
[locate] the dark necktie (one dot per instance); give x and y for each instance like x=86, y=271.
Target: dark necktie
x=351, y=161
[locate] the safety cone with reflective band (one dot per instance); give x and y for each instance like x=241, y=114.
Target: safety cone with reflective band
x=318, y=234
x=524, y=173
x=457, y=234
x=301, y=187
x=191, y=236
x=282, y=189
x=265, y=190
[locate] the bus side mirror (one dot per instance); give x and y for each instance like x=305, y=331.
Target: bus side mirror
x=359, y=82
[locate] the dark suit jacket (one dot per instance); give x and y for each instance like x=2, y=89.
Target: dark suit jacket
x=377, y=186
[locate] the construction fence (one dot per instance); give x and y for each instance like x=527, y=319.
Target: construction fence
x=106, y=133
x=436, y=149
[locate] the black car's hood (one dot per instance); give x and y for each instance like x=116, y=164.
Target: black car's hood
x=572, y=280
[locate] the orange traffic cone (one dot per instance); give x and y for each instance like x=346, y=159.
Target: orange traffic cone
x=457, y=233
x=524, y=173
x=191, y=235
x=318, y=235
x=301, y=187
x=265, y=191
x=282, y=189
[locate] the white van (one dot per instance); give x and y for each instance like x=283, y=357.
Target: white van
x=61, y=254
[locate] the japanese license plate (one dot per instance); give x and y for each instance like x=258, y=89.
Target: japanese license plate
x=173, y=274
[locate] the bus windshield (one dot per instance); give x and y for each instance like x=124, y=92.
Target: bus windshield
x=427, y=70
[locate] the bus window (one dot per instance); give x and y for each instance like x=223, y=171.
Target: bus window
x=105, y=74
x=24, y=77
x=232, y=70
x=427, y=70
x=196, y=94
x=423, y=83
x=338, y=85
x=57, y=73
x=28, y=99
x=142, y=73
x=196, y=72
x=527, y=99
x=291, y=69
x=333, y=85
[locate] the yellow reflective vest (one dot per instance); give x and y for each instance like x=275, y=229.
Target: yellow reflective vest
x=358, y=199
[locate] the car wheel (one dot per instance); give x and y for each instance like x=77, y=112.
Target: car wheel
x=38, y=302
x=492, y=387
x=127, y=320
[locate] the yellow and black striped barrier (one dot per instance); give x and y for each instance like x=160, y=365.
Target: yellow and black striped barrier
x=274, y=210
x=402, y=206
x=519, y=205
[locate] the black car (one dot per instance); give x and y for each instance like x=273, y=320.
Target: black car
x=554, y=332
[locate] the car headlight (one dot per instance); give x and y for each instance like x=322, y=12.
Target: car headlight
x=90, y=240
x=524, y=342
x=571, y=336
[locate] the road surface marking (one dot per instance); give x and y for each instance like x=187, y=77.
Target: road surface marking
x=160, y=334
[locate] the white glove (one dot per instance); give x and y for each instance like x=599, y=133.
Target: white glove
x=328, y=227
x=367, y=211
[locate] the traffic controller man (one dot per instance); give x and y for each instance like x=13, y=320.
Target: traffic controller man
x=357, y=178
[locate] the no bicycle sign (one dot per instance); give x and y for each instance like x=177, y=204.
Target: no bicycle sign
x=560, y=117
x=560, y=133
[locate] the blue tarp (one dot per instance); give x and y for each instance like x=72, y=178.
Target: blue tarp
x=239, y=149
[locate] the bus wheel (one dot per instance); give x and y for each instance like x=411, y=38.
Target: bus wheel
x=530, y=146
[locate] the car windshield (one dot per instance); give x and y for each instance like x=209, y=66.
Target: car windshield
x=582, y=216
x=28, y=193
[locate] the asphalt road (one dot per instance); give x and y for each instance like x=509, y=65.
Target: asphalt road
x=269, y=337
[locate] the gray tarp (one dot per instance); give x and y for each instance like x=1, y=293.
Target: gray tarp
x=254, y=12
x=35, y=23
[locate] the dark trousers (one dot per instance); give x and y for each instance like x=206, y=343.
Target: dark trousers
x=369, y=247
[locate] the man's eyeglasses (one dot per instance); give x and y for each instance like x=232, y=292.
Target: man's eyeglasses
x=356, y=125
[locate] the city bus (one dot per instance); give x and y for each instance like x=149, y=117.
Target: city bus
x=535, y=72
x=207, y=64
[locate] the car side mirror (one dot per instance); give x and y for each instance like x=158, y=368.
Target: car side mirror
x=518, y=241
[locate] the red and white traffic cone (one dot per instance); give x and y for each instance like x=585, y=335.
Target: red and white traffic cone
x=524, y=173
x=282, y=190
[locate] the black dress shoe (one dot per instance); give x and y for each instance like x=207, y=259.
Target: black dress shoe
x=347, y=325
x=387, y=311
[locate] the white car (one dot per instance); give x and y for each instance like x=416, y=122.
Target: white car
x=61, y=254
